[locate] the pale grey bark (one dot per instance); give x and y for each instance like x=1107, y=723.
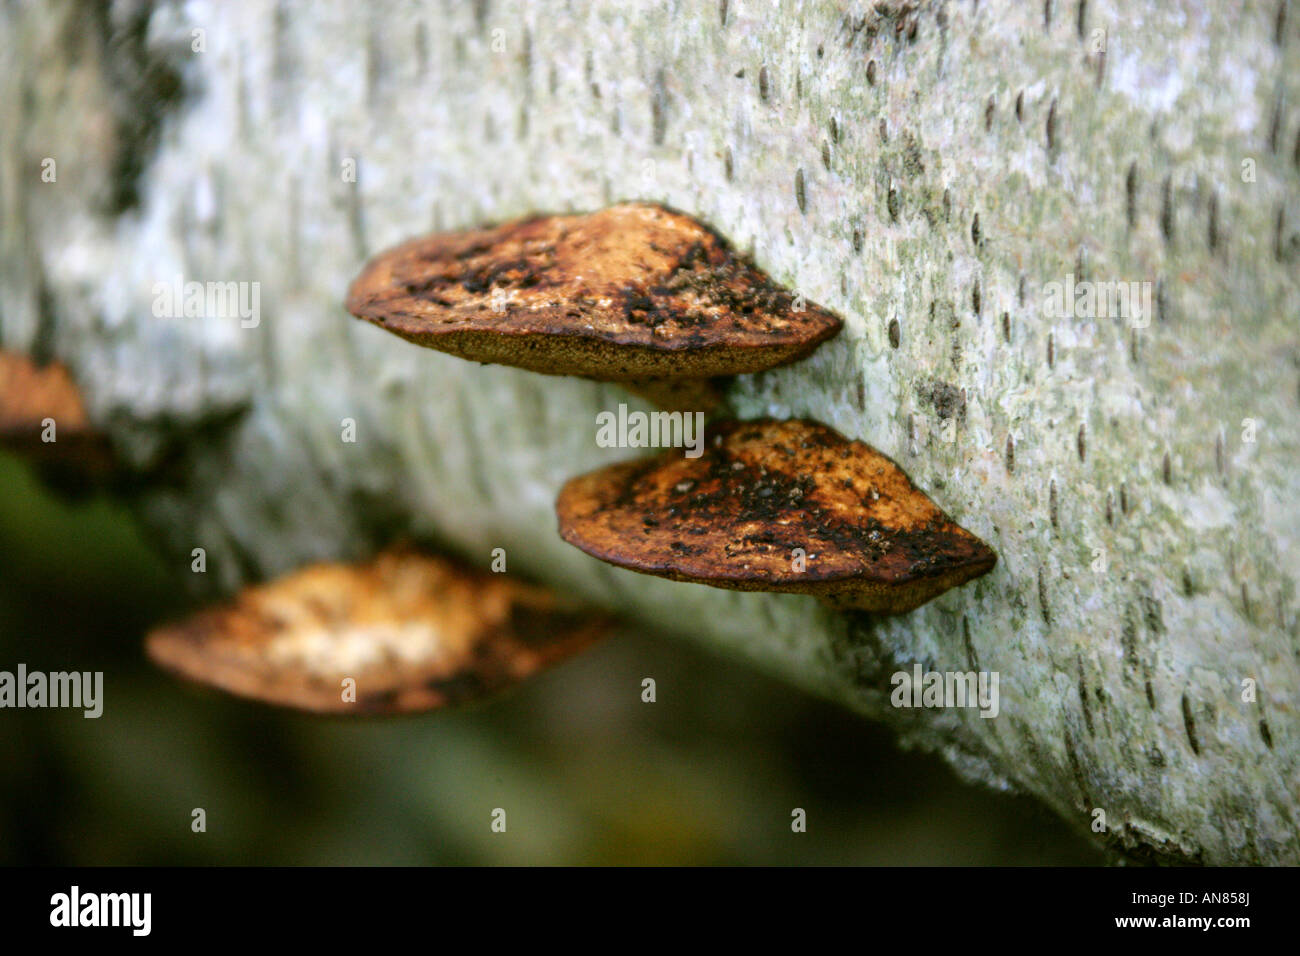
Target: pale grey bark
x=925, y=169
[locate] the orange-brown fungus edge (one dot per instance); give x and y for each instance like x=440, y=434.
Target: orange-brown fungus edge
x=734, y=517
x=632, y=291
x=414, y=632
x=31, y=394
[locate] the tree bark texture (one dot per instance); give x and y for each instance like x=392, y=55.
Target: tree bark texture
x=925, y=169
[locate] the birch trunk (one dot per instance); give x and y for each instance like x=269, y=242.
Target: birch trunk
x=926, y=169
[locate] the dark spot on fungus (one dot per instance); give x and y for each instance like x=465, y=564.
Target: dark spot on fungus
x=895, y=333
x=760, y=490
x=1051, y=127
x=762, y=83
x=871, y=72
x=800, y=197
x=1011, y=454
x=989, y=107
x=1082, y=442
x=1020, y=107
x=891, y=203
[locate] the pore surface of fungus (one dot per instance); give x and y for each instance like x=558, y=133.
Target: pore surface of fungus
x=413, y=632
x=630, y=292
x=775, y=506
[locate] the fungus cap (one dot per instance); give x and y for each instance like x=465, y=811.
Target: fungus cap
x=31, y=395
x=414, y=632
x=734, y=517
x=631, y=291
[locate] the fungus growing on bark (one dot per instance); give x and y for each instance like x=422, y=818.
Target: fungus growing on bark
x=42, y=418
x=404, y=632
x=635, y=293
x=775, y=506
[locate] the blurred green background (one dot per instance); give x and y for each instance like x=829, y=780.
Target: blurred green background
x=586, y=772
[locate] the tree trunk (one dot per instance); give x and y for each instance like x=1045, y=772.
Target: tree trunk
x=937, y=173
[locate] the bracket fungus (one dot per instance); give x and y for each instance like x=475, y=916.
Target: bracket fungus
x=634, y=293
x=775, y=506
x=43, y=418
x=404, y=632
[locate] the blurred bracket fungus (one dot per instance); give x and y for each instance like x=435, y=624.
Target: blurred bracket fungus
x=402, y=633
x=772, y=505
x=634, y=293
x=43, y=419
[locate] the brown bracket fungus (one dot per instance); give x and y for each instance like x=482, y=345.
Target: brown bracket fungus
x=635, y=293
x=405, y=632
x=775, y=506
x=42, y=418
